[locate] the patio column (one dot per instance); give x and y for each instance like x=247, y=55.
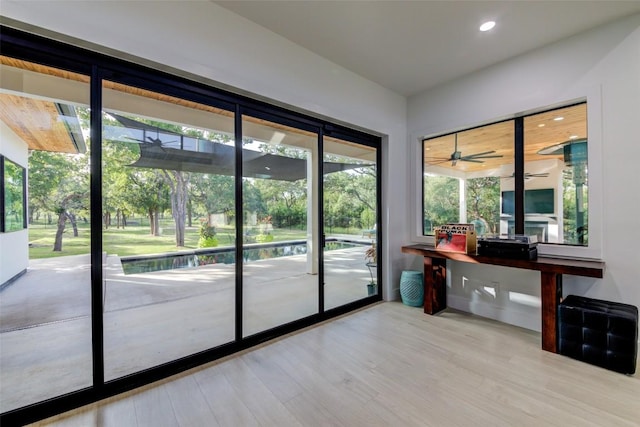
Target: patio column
x=313, y=228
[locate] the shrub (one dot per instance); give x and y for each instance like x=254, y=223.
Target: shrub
x=264, y=238
x=207, y=235
x=207, y=242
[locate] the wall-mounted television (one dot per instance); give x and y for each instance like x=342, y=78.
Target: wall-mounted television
x=540, y=201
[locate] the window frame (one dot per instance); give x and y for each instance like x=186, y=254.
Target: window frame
x=593, y=250
x=3, y=224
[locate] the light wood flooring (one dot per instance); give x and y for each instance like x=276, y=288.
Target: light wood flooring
x=386, y=365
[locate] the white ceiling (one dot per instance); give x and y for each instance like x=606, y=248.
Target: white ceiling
x=411, y=46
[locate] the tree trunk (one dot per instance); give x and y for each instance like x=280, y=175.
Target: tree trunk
x=74, y=223
x=178, y=182
x=62, y=219
x=156, y=222
x=152, y=223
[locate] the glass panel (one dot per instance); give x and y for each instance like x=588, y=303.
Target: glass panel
x=168, y=235
x=45, y=299
x=13, y=189
x=350, y=223
x=280, y=228
x=556, y=184
x=464, y=176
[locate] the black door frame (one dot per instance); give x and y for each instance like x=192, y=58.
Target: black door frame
x=34, y=48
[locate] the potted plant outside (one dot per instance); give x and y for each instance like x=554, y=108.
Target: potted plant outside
x=371, y=256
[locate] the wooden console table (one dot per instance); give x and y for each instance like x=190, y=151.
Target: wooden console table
x=551, y=271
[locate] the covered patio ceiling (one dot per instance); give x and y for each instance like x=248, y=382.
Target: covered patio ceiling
x=44, y=125
x=540, y=131
x=37, y=103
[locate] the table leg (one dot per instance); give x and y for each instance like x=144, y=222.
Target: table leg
x=435, y=285
x=551, y=293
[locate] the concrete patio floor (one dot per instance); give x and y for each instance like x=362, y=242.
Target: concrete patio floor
x=149, y=318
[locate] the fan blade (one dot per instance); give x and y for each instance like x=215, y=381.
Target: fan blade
x=528, y=175
x=136, y=139
x=481, y=157
x=159, y=141
x=536, y=175
x=465, y=159
x=438, y=162
x=481, y=154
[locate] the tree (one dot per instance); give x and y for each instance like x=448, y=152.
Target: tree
x=177, y=181
x=46, y=170
x=59, y=183
x=146, y=192
x=286, y=201
x=64, y=209
x=350, y=197
x=215, y=193
x=117, y=156
x=483, y=202
x=441, y=201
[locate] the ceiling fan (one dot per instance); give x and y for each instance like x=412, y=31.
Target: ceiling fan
x=475, y=158
x=528, y=175
x=147, y=132
x=153, y=141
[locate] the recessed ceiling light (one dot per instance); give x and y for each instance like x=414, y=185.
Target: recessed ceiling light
x=557, y=119
x=541, y=125
x=487, y=26
x=573, y=137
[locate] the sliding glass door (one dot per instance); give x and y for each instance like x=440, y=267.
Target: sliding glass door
x=350, y=206
x=151, y=224
x=45, y=263
x=280, y=224
x=167, y=228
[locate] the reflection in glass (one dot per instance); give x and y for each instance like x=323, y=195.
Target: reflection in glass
x=350, y=215
x=13, y=182
x=45, y=324
x=556, y=179
x=465, y=175
x=278, y=202
x=168, y=201
x=441, y=201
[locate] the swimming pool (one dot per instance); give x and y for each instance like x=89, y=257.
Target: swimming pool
x=225, y=255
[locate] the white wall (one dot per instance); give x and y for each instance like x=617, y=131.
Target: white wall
x=202, y=38
x=603, y=66
x=14, y=246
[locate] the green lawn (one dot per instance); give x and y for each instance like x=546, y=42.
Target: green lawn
x=132, y=240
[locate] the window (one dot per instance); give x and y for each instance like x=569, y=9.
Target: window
x=528, y=175
x=13, y=196
x=462, y=177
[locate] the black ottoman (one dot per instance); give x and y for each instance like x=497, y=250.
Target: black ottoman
x=602, y=333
